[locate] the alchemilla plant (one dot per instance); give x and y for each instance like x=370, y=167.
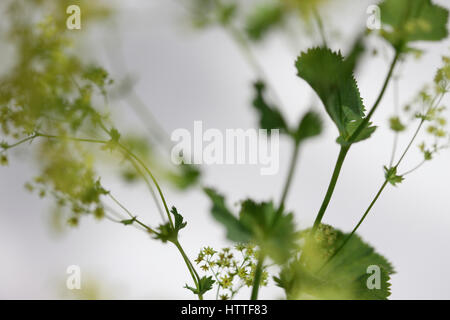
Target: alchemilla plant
x=58, y=107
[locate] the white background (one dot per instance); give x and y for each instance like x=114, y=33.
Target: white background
x=185, y=76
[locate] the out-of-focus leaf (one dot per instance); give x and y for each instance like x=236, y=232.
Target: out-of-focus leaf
x=184, y=176
x=258, y=223
x=310, y=126
x=413, y=20
x=348, y=275
x=235, y=230
x=273, y=232
x=269, y=116
x=263, y=18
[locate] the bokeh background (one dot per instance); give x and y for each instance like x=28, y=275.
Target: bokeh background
x=184, y=75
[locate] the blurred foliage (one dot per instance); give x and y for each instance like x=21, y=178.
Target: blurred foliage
x=50, y=92
x=255, y=19
x=412, y=20
x=314, y=276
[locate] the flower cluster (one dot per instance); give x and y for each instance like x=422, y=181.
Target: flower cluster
x=233, y=268
x=427, y=107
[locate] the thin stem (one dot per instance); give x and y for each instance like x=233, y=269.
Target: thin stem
x=258, y=276
x=415, y=168
x=192, y=271
x=350, y=141
x=132, y=155
x=396, y=133
x=48, y=136
x=359, y=223
x=149, y=187
x=131, y=215
x=191, y=268
x=19, y=142
x=290, y=176
x=422, y=121
x=410, y=142
x=337, y=169
x=394, y=149
x=321, y=27
x=249, y=57
x=215, y=276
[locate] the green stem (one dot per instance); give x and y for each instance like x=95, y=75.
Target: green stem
x=350, y=141
x=419, y=127
x=321, y=27
x=192, y=271
x=19, y=142
x=131, y=215
x=149, y=187
x=258, y=276
x=163, y=199
x=337, y=169
x=359, y=223
x=292, y=166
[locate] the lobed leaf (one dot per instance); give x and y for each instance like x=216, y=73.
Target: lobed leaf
x=269, y=116
x=331, y=77
x=315, y=276
x=413, y=20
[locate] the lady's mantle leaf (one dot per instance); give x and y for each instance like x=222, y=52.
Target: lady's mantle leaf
x=205, y=284
x=272, y=231
x=310, y=126
x=259, y=223
x=391, y=176
x=270, y=116
x=413, y=20
x=262, y=19
x=331, y=78
x=128, y=222
x=346, y=276
x=235, y=231
x=166, y=232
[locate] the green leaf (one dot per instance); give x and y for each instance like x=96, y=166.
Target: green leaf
x=205, y=284
x=97, y=75
x=115, y=135
x=310, y=126
x=179, y=220
x=128, y=221
x=332, y=79
x=184, y=176
x=391, y=176
x=396, y=125
x=3, y=160
x=355, y=54
x=165, y=231
x=262, y=19
x=413, y=20
x=346, y=276
x=271, y=230
x=352, y=125
x=235, y=230
x=258, y=223
x=269, y=116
